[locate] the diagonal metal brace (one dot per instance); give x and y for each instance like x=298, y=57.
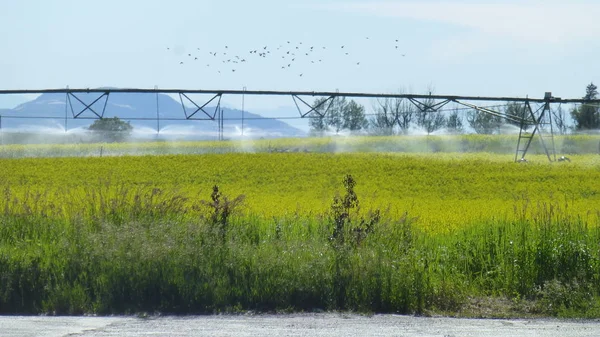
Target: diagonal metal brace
x=496, y=113
x=426, y=107
x=200, y=108
x=330, y=99
x=87, y=106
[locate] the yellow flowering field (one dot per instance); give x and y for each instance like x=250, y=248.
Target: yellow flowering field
x=120, y=234
x=443, y=190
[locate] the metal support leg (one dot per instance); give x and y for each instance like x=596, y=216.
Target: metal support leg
x=537, y=122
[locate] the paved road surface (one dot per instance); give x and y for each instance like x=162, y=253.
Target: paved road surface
x=326, y=325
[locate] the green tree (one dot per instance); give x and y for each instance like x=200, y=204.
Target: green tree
x=483, y=123
x=516, y=111
x=111, y=129
x=353, y=116
x=340, y=115
x=333, y=117
x=317, y=122
x=587, y=116
x=454, y=123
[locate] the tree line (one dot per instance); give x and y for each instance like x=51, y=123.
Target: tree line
x=397, y=115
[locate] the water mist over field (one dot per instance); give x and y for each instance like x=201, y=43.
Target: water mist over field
x=42, y=141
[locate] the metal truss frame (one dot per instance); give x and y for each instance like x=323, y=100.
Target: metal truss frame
x=430, y=105
x=315, y=108
x=200, y=108
x=425, y=103
x=88, y=106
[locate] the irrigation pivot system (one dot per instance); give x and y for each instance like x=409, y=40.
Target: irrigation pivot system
x=537, y=110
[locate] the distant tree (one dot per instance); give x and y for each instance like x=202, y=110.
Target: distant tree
x=353, y=116
x=341, y=115
x=518, y=112
x=483, y=123
x=434, y=120
x=429, y=118
x=317, y=122
x=392, y=114
x=559, y=119
x=587, y=116
x=333, y=117
x=454, y=122
x=111, y=129
x=405, y=113
x=382, y=123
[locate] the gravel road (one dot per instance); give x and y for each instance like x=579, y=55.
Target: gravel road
x=326, y=325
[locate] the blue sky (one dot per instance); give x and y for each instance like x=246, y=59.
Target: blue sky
x=496, y=48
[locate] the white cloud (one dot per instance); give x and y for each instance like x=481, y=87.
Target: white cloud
x=528, y=21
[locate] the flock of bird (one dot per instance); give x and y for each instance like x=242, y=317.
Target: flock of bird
x=286, y=56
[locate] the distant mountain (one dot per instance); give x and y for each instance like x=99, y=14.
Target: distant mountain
x=140, y=109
